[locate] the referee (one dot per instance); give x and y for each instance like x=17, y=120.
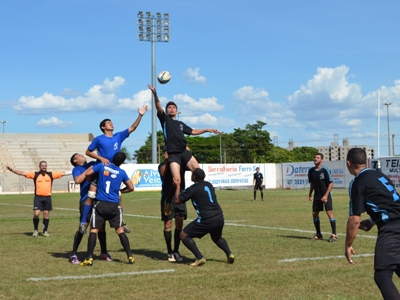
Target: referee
x=43, y=182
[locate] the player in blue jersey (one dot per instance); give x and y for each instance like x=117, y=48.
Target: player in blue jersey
x=107, y=145
x=373, y=192
x=80, y=166
x=210, y=218
x=321, y=184
x=175, y=140
x=107, y=207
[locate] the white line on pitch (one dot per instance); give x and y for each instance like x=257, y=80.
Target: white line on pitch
x=73, y=209
x=99, y=276
x=227, y=223
x=291, y=229
x=322, y=258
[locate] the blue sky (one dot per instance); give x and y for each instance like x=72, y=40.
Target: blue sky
x=309, y=69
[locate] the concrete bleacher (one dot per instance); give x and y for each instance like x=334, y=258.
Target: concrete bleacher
x=24, y=151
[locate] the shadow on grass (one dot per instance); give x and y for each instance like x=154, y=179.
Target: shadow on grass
x=153, y=254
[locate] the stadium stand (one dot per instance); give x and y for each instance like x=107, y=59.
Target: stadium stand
x=25, y=151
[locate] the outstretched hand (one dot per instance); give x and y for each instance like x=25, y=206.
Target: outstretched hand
x=152, y=88
x=143, y=110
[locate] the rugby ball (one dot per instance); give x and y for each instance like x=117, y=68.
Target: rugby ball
x=164, y=77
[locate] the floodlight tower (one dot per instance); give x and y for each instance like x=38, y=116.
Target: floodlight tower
x=388, y=124
x=3, y=121
x=153, y=29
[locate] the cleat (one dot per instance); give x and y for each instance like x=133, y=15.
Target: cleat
x=230, y=259
x=106, y=256
x=332, y=238
x=87, y=262
x=35, y=233
x=198, y=262
x=74, y=260
x=317, y=237
x=171, y=257
x=131, y=260
x=177, y=257
x=82, y=228
x=126, y=229
x=46, y=234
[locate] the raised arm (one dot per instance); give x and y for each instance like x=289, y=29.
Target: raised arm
x=135, y=124
x=156, y=100
x=17, y=172
x=94, y=155
x=201, y=131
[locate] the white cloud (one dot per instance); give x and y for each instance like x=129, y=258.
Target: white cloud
x=255, y=102
x=193, y=76
x=328, y=90
x=138, y=100
x=189, y=105
x=97, y=98
x=208, y=121
x=53, y=122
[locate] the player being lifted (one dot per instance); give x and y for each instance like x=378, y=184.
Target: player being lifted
x=175, y=140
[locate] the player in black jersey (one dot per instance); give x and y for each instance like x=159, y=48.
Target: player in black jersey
x=258, y=184
x=210, y=218
x=321, y=184
x=175, y=140
x=171, y=210
x=375, y=193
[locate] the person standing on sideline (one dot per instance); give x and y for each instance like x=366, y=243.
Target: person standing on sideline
x=321, y=184
x=210, y=218
x=78, y=172
x=106, y=206
x=258, y=184
x=171, y=210
x=107, y=145
x=375, y=193
x=42, y=201
x=175, y=140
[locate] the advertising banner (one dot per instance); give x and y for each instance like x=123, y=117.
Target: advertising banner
x=295, y=175
x=390, y=166
x=233, y=175
x=143, y=176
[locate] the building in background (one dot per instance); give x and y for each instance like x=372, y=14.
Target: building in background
x=336, y=152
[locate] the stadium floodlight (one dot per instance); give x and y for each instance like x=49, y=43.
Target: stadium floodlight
x=3, y=121
x=153, y=29
x=388, y=124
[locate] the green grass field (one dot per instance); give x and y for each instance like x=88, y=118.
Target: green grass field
x=275, y=256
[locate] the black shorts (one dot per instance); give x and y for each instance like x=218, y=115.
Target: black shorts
x=318, y=205
x=93, y=179
x=42, y=203
x=387, y=248
x=81, y=206
x=176, y=210
x=180, y=158
x=258, y=187
x=197, y=230
x=106, y=211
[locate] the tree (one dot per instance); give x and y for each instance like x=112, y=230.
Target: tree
x=254, y=143
x=304, y=153
x=128, y=155
x=143, y=154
